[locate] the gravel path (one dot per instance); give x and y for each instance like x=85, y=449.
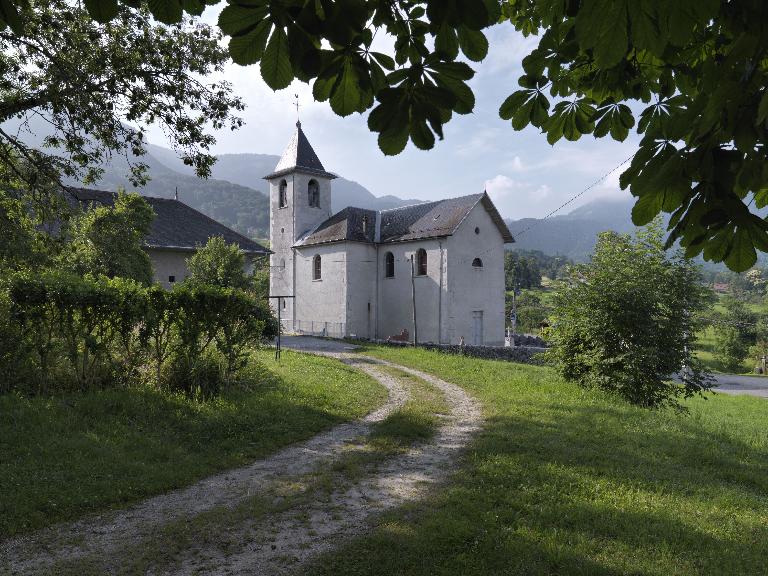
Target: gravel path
x=278, y=542
x=285, y=542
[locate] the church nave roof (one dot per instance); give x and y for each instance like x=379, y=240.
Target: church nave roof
x=414, y=222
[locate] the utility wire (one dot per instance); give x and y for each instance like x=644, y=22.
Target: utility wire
x=587, y=189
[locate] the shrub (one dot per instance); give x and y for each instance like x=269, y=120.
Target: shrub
x=16, y=363
x=107, y=329
x=243, y=321
x=158, y=327
x=626, y=321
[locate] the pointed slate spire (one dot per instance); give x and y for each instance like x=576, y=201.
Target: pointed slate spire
x=300, y=157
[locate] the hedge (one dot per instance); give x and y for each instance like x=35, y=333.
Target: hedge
x=104, y=331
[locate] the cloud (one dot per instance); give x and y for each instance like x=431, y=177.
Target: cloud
x=506, y=49
x=516, y=197
x=481, y=141
x=516, y=164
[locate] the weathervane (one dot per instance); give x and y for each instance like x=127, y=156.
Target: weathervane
x=298, y=120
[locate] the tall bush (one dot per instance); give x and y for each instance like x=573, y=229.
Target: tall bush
x=626, y=321
x=106, y=329
x=243, y=319
x=158, y=327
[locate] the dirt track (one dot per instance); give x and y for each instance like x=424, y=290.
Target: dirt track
x=217, y=533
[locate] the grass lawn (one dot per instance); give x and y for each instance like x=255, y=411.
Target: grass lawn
x=63, y=456
x=567, y=481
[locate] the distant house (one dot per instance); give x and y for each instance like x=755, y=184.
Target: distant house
x=176, y=233
x=721, y=287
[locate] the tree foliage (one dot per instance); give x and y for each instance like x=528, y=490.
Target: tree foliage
x=109, y=240
x=532, y=313
x=218, y=264
x=520, y=271
x=689, y=76
x=626, y=322
x=735, y=331
x=98, y=85
x=20, y=242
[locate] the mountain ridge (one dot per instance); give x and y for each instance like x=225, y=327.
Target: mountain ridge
x=573, y=234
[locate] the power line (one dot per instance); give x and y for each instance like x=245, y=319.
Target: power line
x=587, y=189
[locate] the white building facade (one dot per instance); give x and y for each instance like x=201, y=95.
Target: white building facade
x=430, y=272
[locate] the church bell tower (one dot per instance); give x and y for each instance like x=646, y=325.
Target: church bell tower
x=299, y=200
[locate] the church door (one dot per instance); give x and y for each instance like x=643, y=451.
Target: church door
x=477, y=328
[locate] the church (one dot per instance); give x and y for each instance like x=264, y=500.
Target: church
x=430, y=272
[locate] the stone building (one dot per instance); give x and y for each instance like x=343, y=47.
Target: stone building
x=176, y=233
x=434, y=271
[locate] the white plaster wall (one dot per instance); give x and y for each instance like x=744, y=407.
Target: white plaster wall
x=472, y=289
x=321, y=300
x=395, y=298
x=307, y=217
x=167, y=263
x=286, y=225
x=361, y=289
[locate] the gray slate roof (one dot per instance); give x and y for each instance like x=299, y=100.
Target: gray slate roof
x=353, y=224
x=176, y=225
x=299, y=156
x=415, y=222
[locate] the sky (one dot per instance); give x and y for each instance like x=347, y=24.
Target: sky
x=524, y=175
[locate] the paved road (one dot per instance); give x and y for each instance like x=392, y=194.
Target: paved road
x=749, y=385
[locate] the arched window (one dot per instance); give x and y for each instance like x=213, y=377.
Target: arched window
x=421, y=262
x=313, y=192
x=389, y=265
x=477, y=263
x=316, y=268
x=283, y=193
